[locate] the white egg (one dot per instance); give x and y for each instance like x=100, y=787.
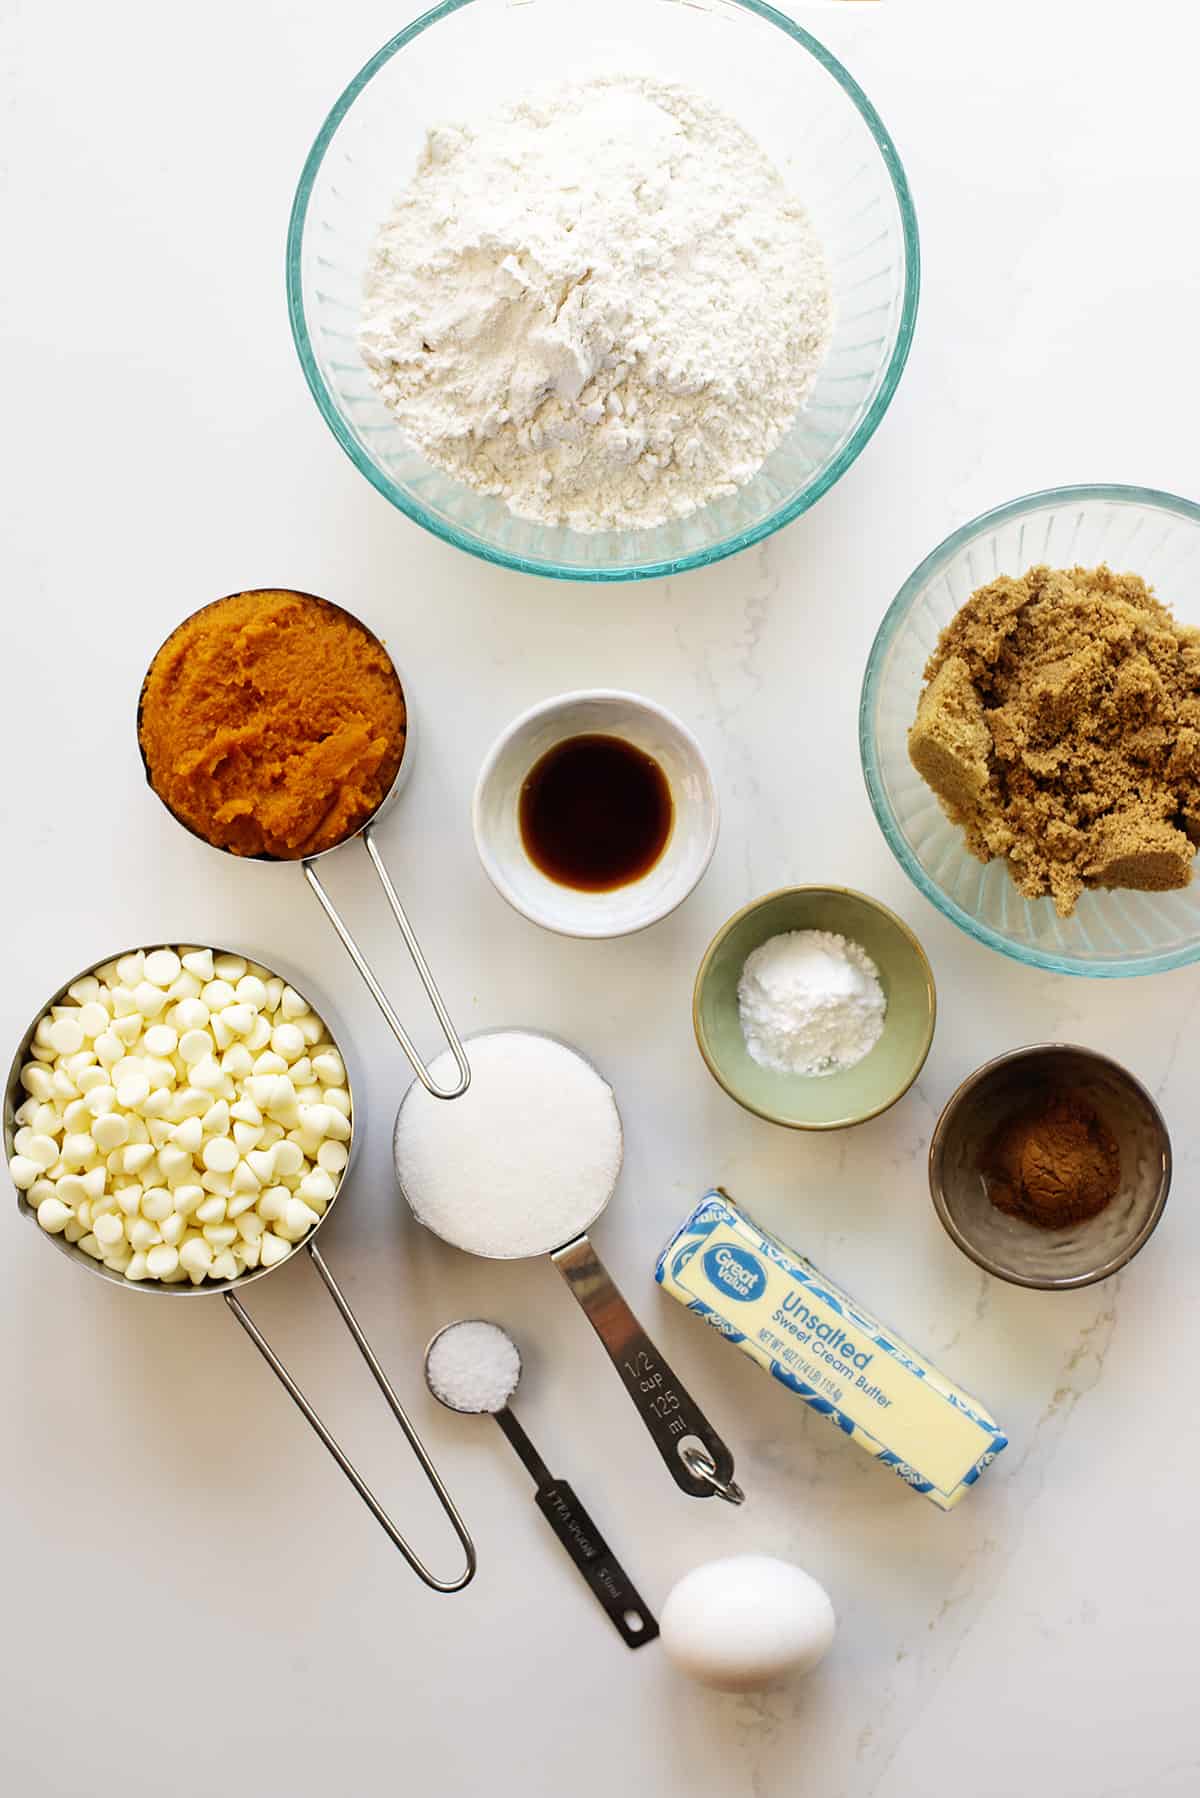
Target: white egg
x=746, y=1622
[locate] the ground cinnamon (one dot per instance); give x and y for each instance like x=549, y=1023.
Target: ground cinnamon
x=272, y=724
x=1055, y=1162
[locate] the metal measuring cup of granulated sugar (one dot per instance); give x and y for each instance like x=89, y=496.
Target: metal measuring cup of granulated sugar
x=232, y=1290
x=699, y=1461
x=365, y=830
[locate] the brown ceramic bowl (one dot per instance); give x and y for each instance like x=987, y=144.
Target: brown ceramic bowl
x=1021, y=1252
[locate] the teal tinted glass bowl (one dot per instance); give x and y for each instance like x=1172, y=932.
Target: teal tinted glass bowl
x=1134, y=530
x=463, y=59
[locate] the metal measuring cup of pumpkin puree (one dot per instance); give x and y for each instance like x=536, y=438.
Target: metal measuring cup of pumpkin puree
x=366, y=831
x=232, y=1290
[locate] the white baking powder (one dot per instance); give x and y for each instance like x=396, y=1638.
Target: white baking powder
x=473, y=1366
x=600, y=304
x=810, y=1002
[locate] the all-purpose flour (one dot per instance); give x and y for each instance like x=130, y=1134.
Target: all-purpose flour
x=601, y=304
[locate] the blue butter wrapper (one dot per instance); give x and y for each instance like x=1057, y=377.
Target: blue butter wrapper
x=819, y=1344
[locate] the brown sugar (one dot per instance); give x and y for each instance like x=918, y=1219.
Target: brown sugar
x=1054, y=1163
x=272, y=724
x=1060, y=727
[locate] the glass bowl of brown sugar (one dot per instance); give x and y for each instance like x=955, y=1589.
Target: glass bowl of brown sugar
x=1096, y=801
x=1050, y=1167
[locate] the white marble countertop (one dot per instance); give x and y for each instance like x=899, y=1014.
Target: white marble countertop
x=195, y=1601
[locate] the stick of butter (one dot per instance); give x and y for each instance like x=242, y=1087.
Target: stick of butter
x=817, y=1342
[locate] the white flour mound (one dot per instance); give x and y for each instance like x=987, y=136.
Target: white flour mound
x=600, y=304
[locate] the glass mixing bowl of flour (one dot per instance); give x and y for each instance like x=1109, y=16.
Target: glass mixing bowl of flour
x=466, y=58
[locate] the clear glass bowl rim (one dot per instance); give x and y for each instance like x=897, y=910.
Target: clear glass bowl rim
x=1118, y=968
x=476, y=546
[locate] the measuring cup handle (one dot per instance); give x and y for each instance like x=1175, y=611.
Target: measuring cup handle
x=699, y=1461
x=343, y=1460
x=419, y=962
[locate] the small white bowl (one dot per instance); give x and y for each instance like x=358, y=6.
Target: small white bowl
x=689, y=847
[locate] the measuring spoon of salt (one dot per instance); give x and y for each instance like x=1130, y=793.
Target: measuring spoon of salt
x=473, y=1367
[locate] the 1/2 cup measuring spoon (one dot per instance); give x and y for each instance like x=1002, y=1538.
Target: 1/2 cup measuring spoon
x=474, y=1367
x=485, y=1181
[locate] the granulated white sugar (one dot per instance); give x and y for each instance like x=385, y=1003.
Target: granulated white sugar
x=473, y=1366
x=524, y=1160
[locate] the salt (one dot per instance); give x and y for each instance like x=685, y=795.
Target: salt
x=473, y=1366
x=524, y=1160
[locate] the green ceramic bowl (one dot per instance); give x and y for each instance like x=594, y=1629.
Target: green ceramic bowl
x=824, y=1101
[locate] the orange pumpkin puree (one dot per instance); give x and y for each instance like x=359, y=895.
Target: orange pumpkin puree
x=272, y=723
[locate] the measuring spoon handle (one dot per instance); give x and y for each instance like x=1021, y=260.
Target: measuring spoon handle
x=699, y=1461
x=596, y=1561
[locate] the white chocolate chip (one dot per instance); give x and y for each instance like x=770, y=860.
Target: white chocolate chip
x=207, y=1076
x=317, y=1185
x=252, y=992
x=93, y=1019
x=189, y=1135
x=298, y=1219
x=220, y=1155
x=274, y=1249
x=149, y=999
x=288, y=1040
x=37, y=1082
x=176, y=1163
x=66, y=1037
x=186, y=1199
x=289, y=1158
x=196, y=1256
x=133, y=1090
x=196, y=1046
x=109, y=1132
x=172, y=1228
x=162, y=966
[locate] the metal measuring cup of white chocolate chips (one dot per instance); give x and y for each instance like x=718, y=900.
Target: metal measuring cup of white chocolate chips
x=179, y=1121
x=273, y=725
